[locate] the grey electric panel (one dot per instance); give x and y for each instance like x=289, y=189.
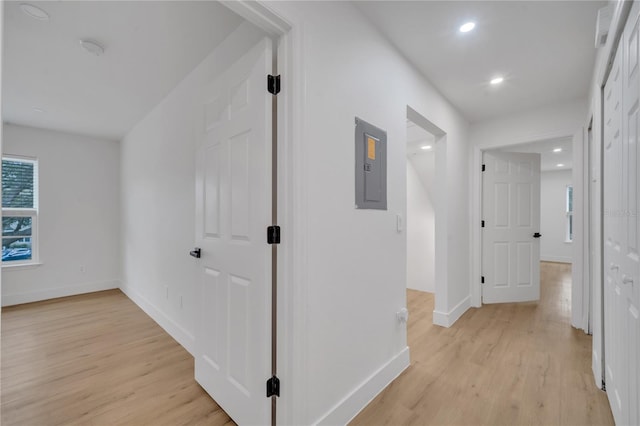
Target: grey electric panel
x=371, y=166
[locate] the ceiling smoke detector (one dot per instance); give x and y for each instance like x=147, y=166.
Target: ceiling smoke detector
x=92, y=47
x=34, y=12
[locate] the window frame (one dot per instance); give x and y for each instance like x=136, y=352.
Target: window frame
x=569, y=214
x=33, y=213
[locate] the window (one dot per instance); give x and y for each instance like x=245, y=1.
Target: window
x=569, y=209
x=19, y=210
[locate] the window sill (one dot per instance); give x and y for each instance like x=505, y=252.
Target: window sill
x=22, y=266
x=568, y=242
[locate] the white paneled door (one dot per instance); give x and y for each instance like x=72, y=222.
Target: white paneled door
x=511, y=226
x=612, y=199
x=233, y=211
x=621, y=227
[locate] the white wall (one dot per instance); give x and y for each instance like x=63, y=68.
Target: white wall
x=79, y=210
x=421, y=222
x=158, y=197
x=549, y=122
x=553, y=187
x=353, y=278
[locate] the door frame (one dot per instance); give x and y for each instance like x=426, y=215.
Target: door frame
x=476, y=207
x=580, y=271
x=291, y=343
x=441, y=263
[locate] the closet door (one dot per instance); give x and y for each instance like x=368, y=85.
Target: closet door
x=622, y=226
x=613, y=327
x=630, y=251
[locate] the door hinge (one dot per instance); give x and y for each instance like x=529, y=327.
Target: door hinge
x=273, y=84
x=482, y=223
x=484, y=167
x=273, y=234
x=604, y=386
x=482, y=280
x=273, y=387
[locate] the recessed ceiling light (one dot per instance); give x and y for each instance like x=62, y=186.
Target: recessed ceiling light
x=34, y=12
x=497, y=80
x=557, y=150
x=465, y=28
x=426, y=147
x=559, y=165
x=36, y=109
x=92, y=47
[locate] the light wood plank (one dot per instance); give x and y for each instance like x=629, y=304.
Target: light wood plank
x=96, y=359
x=503, y=364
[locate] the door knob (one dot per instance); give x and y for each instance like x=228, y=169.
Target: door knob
x=196, y=253
x=537, y=235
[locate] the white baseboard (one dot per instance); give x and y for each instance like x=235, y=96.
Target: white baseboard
x=447, y=319
x=182, y=336
x=595, y=369
x=560, y=259
x=54, y=293
x=349, y=407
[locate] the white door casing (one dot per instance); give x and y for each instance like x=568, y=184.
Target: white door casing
x=621, y=226
x=630, y=250
x=612, y=202
x=233, y=211
x=511, y=215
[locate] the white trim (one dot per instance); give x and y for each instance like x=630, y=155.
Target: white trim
x=475, y=187
x=449, y=318
x=558, y=259
x=182, y=336
x=19, y=266
x=579, y=277
x=23, y=158
x=54, y=293
x=292, y=214
x=349, y=407
x=260, y=15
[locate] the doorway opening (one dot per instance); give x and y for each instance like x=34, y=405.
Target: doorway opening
x=421, y=241
x=427, y=257
x=554, y=207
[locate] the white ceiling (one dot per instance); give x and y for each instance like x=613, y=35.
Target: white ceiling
x=549, y=160
x=149, y=47
x=544, y=49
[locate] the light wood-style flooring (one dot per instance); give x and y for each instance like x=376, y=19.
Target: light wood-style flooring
x=503, y=364
x=97, y=359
